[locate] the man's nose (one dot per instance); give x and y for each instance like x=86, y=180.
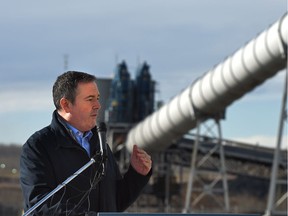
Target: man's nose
x=97, y=105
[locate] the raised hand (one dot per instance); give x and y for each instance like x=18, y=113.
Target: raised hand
x=140, y=161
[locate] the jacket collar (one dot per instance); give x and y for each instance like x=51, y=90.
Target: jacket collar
x=65, y=139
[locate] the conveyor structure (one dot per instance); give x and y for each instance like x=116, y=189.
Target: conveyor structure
x=254, y=63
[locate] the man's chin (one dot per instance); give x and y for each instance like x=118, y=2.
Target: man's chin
x=94, y=124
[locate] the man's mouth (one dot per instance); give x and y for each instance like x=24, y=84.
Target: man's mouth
x=94, y=115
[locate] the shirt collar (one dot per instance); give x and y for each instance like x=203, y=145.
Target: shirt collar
x=78, y=134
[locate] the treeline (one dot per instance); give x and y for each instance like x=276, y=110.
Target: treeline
x=11, y=149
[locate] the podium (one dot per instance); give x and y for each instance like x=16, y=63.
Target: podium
x=172, y=214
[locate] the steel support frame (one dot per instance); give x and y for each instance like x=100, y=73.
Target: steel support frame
x=208, y=189
x=273, y=202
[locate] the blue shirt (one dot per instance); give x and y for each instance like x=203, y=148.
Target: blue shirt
x=82, y=138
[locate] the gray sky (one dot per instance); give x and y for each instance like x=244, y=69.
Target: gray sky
x=180, y=40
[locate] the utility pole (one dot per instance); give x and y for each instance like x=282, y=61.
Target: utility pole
x=66, y=58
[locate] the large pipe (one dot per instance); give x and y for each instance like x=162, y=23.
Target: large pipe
x=247, y=68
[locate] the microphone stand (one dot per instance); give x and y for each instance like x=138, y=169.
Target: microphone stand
x=96, y=159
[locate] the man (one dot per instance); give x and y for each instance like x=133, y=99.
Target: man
x=54, y=153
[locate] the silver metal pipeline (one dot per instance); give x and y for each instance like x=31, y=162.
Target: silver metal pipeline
x=241, y=72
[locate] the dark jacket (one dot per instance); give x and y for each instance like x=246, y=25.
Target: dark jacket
x=51, y=155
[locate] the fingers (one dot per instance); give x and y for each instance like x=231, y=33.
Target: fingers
x=140, y=152
x=141, y=161
x=142, y=155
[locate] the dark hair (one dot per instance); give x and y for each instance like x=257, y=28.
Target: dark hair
x=66, y=85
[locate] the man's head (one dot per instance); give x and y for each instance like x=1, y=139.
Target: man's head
x=76, y=98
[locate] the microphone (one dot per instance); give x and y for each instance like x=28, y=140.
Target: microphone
x=101, y=129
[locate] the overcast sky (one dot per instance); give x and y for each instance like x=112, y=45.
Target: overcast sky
x=180, y=40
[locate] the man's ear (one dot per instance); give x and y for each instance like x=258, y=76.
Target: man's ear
x=65, y=105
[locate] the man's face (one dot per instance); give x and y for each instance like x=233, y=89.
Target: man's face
x=83, y=112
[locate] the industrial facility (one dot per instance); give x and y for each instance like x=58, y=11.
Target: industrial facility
x=130, y=100
x=200, y=172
